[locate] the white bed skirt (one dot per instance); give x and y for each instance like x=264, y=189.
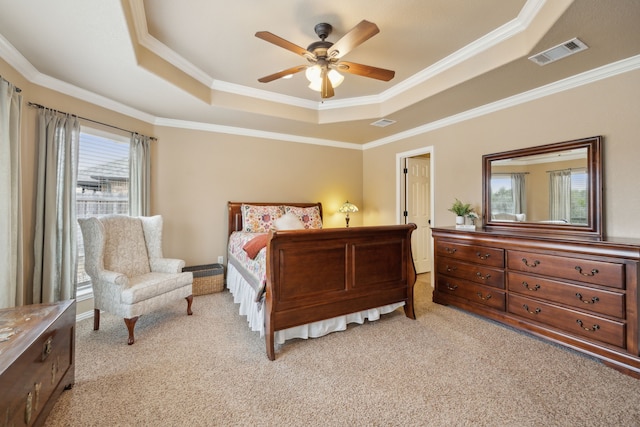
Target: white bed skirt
x=244, y=295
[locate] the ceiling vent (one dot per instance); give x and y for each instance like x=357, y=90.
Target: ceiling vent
x=559, y=52
x=383, y=122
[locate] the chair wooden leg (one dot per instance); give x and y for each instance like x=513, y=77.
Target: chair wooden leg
x=96, y=319
x=131, y=323
x=189, y=301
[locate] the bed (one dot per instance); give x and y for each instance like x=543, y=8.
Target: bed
x=307, y=281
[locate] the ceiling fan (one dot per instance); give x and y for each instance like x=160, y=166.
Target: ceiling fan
x=324, y=58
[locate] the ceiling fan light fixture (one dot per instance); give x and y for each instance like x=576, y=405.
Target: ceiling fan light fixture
x=314, y=75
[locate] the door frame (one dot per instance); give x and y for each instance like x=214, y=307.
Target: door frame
x=400, y=184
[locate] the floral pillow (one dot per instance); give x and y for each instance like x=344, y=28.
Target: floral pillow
x=310, y=216
x=259, y=219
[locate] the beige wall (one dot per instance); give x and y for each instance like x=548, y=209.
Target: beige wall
x=194, y=173
x=610, y=108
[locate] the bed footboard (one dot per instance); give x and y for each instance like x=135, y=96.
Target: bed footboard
x=315, y=275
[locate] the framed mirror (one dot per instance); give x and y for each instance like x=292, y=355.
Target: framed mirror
x=553, y=188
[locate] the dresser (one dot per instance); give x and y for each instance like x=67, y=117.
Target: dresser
x=37, y=344
x=580, y=293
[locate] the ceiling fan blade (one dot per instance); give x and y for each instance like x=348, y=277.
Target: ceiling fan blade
x=279, y=41
x=356, y=36
x=280, y=74
x=366, y=70
x=327, y=88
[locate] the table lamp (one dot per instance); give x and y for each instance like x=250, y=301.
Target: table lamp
x=347, y=208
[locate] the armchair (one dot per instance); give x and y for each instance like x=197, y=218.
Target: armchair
x=130, y=277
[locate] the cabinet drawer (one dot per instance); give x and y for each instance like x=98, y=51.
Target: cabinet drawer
x=582, y=297
x=493, y=257
x=472, y=292
x=580, y=269
x=473, y=272
x=572, y=321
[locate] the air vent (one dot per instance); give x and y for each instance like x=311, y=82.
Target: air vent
x=558, y=52
x=383, y=122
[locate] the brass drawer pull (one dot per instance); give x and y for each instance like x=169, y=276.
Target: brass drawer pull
x=485, y=256
x=47, y=348
x=586, y=301
x=532, y=265
x=592, y=329
x=488, y=297
x=450, y=250
x=482, y=277
x=526, y=285
x=450, y=269
x=452, y=288
x=593, y=272
x=536, y=311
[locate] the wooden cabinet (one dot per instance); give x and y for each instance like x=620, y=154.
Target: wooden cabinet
x=581, y=293
x=37, y=348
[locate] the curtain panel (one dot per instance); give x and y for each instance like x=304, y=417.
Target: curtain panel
x=55, y=247
x=519, y=193
x=560, y=195
x=11, y=226
x=139, y=175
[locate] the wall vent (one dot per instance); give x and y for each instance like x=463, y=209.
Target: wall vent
x=558, y=52
x=383, y=122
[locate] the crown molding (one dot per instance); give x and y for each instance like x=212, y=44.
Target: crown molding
x=230, y=130
x=503, y=33
x=588, y=77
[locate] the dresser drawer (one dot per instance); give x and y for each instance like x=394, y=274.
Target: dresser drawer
x=582, y=297
x=572, y=321
x=471, y=253
x=472, y=292
x=579, y=269
x=473, y=272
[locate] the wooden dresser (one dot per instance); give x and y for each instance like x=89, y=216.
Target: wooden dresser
x=579, y=293
x=37, y=347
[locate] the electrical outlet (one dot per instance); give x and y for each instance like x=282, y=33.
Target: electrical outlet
x=220, y=259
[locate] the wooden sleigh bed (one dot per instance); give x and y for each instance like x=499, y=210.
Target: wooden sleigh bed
x=317, y=279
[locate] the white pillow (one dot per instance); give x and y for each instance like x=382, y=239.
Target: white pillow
x=288, y=221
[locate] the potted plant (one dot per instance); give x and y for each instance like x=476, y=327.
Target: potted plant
x=461, y=210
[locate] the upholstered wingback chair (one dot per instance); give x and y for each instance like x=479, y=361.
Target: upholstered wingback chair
x=130, y=277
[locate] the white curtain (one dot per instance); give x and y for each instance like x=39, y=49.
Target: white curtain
x=55, y=242
x=518, y=189
x=560, y=195
x=11, y=260
x=139, y=175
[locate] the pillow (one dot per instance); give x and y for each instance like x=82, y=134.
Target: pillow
x=259, y=219
x=253, y=246
x=310, y=217
x=288, y=221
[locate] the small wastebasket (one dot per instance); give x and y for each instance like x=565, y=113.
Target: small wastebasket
x=207, y=279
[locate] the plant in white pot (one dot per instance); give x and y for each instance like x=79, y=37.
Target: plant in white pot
x=461, y=210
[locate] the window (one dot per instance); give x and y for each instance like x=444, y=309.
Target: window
x=103, y=183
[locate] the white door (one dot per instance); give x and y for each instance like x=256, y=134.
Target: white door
x=419, y=211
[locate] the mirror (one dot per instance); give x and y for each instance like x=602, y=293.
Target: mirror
x=554, y=188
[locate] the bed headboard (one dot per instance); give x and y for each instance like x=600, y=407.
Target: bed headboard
x=235, y=213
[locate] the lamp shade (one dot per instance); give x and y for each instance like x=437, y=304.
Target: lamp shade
x=348, y=207
x=314, y=75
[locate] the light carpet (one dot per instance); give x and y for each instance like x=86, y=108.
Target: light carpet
x=447, y=368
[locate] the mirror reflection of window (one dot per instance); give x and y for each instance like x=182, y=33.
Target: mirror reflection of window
x=568, y=196
x=508, y=196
